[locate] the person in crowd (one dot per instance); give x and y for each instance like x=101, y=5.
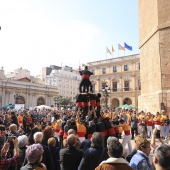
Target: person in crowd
x=85, y=82
x=166, y=123
x=66, y=128
x=54, y=152
x=20, y=118
x=127, y=136
x=134, y=125
x=48, y=133
x=14, y=119
x=115, y=160
x=77, y=144
x=61, y=131
x=31, y=135
x=2, y=134
x=142, y=128
x=22, y=145
x=149, y=123
x=134, y=151
x=43, y=123
x=29, y=123
x=81, y=129
x=95, y=154
x=70, y=157
x=9, y=162
x=47, y=158
x=34, y=154
x=162, y=126
x=161, y=157
x=6, y=121
x=116, y=127
x=85, y=144
x=140, y=160
x=25, y=122
x=13, y=130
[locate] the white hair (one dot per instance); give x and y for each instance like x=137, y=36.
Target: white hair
x=38, y=137
x=22, y=141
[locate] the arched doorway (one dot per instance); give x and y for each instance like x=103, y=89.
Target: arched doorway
x=127, y=101
x=40, y=101
x=20, y=100
x=115, y=103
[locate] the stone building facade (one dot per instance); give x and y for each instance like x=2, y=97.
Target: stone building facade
x=122, y=75
x=65, y=79
x=154, y=44
x=30, y=94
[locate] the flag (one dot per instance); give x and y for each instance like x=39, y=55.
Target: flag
x=113, y=50
x=128, y=47
x=108, y=51
x=121, y=47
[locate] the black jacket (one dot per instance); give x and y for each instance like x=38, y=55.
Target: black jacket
x=70, y=158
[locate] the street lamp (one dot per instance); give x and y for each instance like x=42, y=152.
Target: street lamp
x=16, y=97
x=55, y=101
x=106, y=91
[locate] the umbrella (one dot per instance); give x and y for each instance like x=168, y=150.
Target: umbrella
x=125, y=106
x=42, y=106
x=9, y=106
x=133, y=107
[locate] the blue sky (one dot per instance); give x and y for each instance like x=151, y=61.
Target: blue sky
x=39, y=33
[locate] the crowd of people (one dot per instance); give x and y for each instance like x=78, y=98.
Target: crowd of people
x=70, y=140
x=87, y=138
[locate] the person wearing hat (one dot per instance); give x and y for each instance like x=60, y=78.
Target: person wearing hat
x=34, y=156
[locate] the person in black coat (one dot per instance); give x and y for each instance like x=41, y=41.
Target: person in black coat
x=95, y=154
x=54, y=152
x=70, y=157
x=85, y=82
x=14, y=119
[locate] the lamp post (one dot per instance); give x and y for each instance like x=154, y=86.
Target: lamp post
x=55, y=101
x=106, y=91
x=16, y=97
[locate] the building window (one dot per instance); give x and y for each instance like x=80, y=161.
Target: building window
x=114, y=69
x=126, y=86
x=103, y=70
x=114, y=86
x=125, y=67
x=139, y=85
x=139, y=66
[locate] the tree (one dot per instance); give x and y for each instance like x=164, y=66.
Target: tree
x=64, y=102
